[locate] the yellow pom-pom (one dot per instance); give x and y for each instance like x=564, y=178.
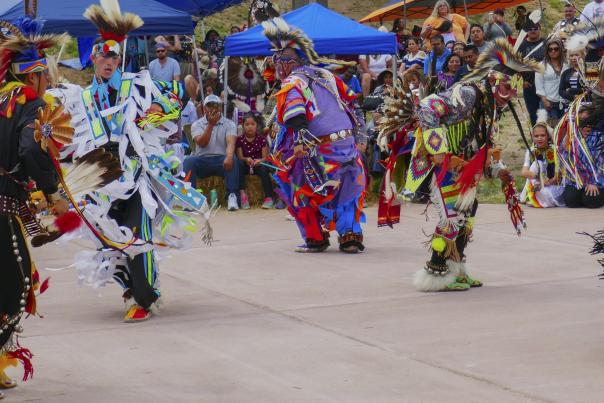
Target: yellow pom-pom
x=438, y=244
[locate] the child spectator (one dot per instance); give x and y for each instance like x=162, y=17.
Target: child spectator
x=570, y=81
x=542, y=187
x=252, y=149
x=351, y=80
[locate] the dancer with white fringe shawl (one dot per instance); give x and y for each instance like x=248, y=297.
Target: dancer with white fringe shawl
x=454, y=146
x=130, y=115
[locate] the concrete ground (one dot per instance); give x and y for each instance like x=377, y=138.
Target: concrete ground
x=248, y=320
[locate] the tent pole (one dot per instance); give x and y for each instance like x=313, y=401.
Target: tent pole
x=147, y=50
x=124, y=51
x=203, y=30
x=226, y=84
x=404, y=14
x=465, y=7
x=394, y=71
x=197, y=67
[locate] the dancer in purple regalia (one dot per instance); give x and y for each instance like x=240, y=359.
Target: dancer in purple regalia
x=321, y=176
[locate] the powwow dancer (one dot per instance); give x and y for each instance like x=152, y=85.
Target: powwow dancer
x=542, y=188
x=32, y=131
x=23, y=81
x=321, y=177
x=579, y=136
x=130, y=115
x=454, y=145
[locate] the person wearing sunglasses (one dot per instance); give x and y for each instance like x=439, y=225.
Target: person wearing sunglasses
x=532, y=47
x=320, y=174
x=164, y=68
x=547, y=85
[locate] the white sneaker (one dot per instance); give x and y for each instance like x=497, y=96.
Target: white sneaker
x=232, y=202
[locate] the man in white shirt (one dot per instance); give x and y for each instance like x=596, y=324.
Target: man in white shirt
x=164, y=68
x=593, y=11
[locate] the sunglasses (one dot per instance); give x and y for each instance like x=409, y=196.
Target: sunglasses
x=553, y=49
x=535, y=29
x=160, y=51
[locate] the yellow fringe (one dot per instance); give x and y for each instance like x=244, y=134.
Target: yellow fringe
x=6, y=362
x=450, y=251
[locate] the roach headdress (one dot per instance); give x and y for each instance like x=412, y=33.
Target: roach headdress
x=22, y=46
x=501, y=57
x=283, y=36
x=113, y=25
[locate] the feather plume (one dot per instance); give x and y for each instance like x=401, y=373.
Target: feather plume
x=398, y=111
x=91, y=172
x=112, y=23
x=500, y=52
x=244, y=78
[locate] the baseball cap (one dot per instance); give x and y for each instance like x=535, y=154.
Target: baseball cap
x=212, y=99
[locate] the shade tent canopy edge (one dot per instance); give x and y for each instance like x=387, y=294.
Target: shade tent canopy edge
x=200, y=8
x=332, y=33
x=67, y=16
x=418, y=9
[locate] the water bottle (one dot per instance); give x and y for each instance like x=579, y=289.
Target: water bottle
x=213, y=198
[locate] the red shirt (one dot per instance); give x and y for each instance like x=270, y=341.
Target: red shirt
x=251, y=149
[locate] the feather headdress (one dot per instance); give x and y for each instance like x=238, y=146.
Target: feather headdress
x=244, y=77
x=112, y=23
x=260, y=11
x=500, y=56
x=22, y=46
x=587, y=36
x=283, y=36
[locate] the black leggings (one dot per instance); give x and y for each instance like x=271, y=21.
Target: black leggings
x=138, y=279
x=260, y=170
x=574, y=198
x=11, y=278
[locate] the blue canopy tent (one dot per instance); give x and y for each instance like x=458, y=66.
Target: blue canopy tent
x=67, y=16
x=332, y=33
x=200, y=8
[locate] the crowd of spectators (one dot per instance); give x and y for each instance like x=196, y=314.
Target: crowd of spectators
x=432, y=57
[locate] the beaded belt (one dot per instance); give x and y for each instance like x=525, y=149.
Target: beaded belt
x=339, y=135
x=9, y=205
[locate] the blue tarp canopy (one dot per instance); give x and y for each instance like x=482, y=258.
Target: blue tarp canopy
x=331, y=33
x=67, y=16
x=201, y=8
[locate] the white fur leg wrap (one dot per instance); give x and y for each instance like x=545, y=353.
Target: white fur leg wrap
x=424, y=281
